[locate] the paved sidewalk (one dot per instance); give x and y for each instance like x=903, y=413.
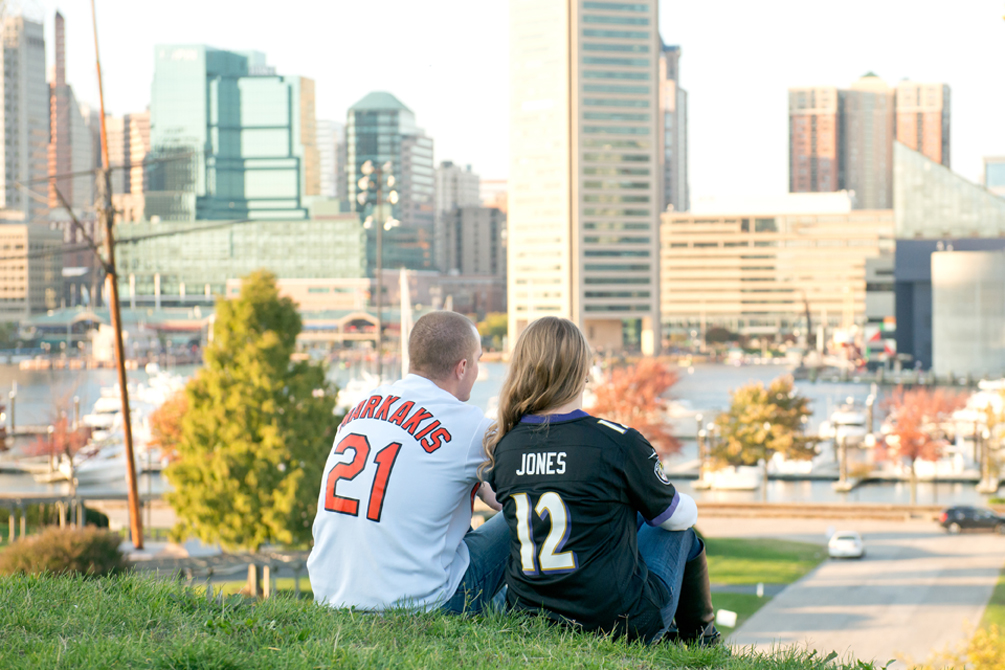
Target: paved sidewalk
x=917, y=591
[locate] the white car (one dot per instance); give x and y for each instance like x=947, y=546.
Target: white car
x=846, y=544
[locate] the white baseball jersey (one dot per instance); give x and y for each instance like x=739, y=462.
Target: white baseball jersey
x=396, y=498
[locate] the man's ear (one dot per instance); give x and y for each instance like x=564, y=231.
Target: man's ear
x=460, y=368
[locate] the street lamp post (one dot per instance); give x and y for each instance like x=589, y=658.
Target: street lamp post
x=764, y=489
x=700, y=439
x=374, y=178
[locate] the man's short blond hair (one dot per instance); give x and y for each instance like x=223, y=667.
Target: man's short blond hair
x=439, y=341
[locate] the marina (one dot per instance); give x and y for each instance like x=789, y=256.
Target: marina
x=702, y=390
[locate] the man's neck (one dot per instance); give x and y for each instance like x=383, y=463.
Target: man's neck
x=444, y=384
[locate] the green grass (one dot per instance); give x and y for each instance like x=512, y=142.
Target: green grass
x=743, y=604
x=749, y=561
x=284, y=585
x=135, y=621
x=995, y=612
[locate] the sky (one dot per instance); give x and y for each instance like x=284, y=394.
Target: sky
x=448, y=61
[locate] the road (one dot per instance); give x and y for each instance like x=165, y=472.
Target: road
x=917, y=592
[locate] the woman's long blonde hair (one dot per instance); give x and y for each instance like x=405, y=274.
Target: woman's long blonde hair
x=548, y=368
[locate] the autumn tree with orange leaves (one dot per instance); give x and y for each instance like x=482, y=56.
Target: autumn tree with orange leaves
x=633, y=395
x=917, y=416
x=165, y=425
x=63, y=440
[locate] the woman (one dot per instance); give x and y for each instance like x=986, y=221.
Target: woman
x=575, y=491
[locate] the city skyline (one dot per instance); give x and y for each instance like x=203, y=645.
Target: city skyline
x=725, y=64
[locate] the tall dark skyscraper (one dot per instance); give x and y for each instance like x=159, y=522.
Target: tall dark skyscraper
x=673, y=107
x=380, y=128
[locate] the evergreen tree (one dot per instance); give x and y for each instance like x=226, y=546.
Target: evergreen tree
x=253, y=443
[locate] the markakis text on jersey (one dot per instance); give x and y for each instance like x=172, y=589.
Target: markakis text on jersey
x=431, y=437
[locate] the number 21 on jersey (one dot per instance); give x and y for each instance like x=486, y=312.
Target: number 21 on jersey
x=551, y=558
x=384, y=459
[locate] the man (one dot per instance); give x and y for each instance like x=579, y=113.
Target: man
x=394, y=512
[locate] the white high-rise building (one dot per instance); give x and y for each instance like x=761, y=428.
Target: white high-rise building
x=25, y=115
x=456, y=187
x=585, y=187
x=329, y=137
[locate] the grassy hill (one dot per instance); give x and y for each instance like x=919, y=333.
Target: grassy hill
x=132, y=621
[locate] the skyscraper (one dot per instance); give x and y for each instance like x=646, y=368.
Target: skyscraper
x=328, y=157
x=673, y=132
x=842, y=139
x=584, y=181
x=455, y=187
x=128, y=144
x=867, y=133
x=813, y=139
x=70, y=140
x=243, y=137
x=380, y=128
x=923, y=119
x=25, y=114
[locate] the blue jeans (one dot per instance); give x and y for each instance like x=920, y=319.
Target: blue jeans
x=666, y=553
x=488, y=547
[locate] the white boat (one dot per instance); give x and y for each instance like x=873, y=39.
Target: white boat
x=355, y=390
x=103, y=459
x=736, y=478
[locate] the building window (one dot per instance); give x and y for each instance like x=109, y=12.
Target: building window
x=626, y=62
x=616, y=20
x=612, y=253
x=610, y=88
x=614, y=116
x=630, y=48
x=616, y=6
x=604, y=74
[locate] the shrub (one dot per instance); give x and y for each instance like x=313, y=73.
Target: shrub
x=89, y=551
x=46, y=514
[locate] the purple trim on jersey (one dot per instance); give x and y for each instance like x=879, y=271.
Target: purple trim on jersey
x=668, y=512
x=553, y=418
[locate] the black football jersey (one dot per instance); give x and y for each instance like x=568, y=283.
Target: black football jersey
x=571, y=486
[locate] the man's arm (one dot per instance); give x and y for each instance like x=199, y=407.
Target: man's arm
x=488, y=496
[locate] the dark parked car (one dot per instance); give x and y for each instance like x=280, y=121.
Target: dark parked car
x=955, y=519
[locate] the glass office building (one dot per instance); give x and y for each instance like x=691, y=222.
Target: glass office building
x=190, y=259
x=230, y=138
x=380, y=128
x=930, y=200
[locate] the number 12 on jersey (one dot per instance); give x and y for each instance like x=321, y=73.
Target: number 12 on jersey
x=551, y=558
x=361, y=451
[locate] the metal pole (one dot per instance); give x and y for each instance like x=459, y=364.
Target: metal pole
x=843, y=449
x=106, y=213
x=380, y=278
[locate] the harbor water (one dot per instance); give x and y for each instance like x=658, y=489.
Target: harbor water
x=703, y=389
